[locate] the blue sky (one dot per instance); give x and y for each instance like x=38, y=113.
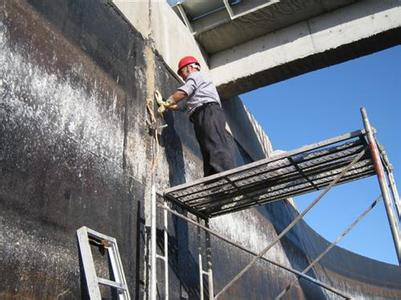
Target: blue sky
x=326, y=103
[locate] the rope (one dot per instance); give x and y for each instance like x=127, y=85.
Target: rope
x=153, y=127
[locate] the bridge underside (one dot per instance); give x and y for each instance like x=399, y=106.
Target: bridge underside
x=251, y=44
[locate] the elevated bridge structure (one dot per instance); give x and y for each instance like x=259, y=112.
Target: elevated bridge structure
x=248, y=44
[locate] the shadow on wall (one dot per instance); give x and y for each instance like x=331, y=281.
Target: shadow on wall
x=182, y=263
x=280, y=215
x=173, y=151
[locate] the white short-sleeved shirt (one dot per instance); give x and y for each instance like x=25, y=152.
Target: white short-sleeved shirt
x=200, y=90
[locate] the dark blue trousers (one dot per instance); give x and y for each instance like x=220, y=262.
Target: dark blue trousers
x=209, y=124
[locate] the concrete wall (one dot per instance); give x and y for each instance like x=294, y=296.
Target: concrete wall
x=295, y=37
x=155, y=20
x=172, y=40
x=76, y=150
x=71, y=134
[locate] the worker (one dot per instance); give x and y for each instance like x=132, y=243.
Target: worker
x=206, y=114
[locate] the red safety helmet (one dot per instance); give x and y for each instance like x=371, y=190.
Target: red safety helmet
x=185, y=61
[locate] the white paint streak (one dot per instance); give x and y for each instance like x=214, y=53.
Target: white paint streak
x=60, y=107
x=30, y=247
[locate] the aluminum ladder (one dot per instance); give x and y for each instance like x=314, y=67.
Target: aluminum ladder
x=88, y=236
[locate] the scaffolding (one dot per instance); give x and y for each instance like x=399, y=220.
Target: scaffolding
x=348, y=157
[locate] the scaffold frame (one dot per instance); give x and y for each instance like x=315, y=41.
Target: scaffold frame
x=288, y=174
x=319, y=166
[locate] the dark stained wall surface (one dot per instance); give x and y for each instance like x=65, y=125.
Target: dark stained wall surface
x=75, y=150
x=66, y=90
x=75, y=147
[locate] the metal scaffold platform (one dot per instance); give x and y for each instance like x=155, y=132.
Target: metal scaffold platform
x=288, y=174
x=315, y=167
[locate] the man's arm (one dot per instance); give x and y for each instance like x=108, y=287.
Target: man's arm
x=172, y=101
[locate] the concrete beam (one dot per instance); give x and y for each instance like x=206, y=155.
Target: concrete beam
x=359, y=29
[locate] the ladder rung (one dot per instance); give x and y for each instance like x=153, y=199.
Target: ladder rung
x=86, y=237
x=161, y=257
x=111, y=283
x=205, y=273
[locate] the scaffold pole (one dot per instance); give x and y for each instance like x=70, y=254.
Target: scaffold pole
x=382, y=183
x=333, y=244
x=223, y=238
x=292, y=224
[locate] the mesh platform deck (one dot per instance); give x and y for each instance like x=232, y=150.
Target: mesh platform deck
x=288, y=174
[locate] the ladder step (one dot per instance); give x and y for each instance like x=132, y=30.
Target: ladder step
x=86, y=237
x=161, y=257
x=111, y=283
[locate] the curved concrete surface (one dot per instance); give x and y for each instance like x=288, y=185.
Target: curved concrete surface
x=76, y=150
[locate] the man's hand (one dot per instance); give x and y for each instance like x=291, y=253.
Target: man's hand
x=170, y=103
x=164, y=105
